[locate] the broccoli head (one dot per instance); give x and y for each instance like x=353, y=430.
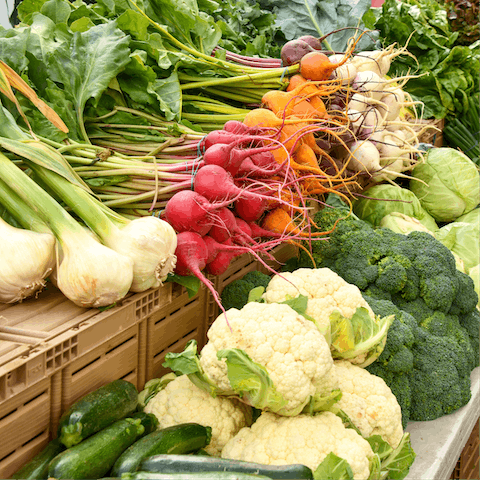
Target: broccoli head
x=235, y=294
x=259, y=279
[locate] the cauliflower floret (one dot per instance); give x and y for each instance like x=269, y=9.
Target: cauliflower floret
x=304, y=439
x=326, y=292
x=294, y=353
x=369, y=403
x=183, y=402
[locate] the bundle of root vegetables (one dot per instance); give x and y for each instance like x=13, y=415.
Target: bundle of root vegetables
x=338, y=126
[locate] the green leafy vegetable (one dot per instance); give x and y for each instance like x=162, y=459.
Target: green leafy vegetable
x=311, y=17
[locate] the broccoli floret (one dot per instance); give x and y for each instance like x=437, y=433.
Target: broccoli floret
x=235, y=294
x=257, y=278
x=438, y=386
x=466, y=298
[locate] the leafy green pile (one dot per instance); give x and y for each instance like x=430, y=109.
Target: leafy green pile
x=246, y=28
x=154, y=56
x=449, y=72
x=295, y=18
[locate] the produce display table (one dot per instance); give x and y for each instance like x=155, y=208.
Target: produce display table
x=439, y=443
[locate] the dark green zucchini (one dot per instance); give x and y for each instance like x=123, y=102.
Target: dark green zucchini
x=149, y=421
x=184, y=438
x=193, y=476
x=97, y=410
x=202, y=452
x=37, y=467
x=95, y=456
x=181, y=464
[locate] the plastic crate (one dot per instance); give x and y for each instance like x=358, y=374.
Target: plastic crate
x=169, y=329
x=24, y=426
x=467, y=467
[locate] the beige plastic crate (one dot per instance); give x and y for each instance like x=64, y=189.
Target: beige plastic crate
x=24, y=426
x=169, y=329
x=53, y=352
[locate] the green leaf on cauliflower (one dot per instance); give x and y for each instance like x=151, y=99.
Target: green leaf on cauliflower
x=333, y=468
x=251, y=381
x=188, y=363
x=395, y=462
x=255, y=295
x=360, y=335
x=319, y=403
x=153, y=386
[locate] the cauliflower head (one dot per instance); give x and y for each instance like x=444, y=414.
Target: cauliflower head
x=290, y=348
x=304, y=439
x=338, y=309
x=183, y=402
x=326, y=292
x=369, y=402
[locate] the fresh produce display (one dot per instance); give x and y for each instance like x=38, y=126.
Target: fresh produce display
x=146, y=142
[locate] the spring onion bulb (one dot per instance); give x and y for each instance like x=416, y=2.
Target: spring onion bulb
x=90, y=274
x=27, y=259
x=148, y=241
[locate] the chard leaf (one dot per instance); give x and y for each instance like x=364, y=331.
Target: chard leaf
x=333, y=468
x=251, y=381
x=169, y=95
x=86, y=66
x=9, y=127
x=57, y=10
x=13, y=47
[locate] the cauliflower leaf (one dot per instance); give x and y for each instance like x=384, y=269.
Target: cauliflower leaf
x=333, y=468
x=358, y=336
x=251, y=381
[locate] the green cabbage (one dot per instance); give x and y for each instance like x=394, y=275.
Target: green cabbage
x=386, y=199
x=401, y=223
x=471, y=217
x=452, y=184
x=462, y=239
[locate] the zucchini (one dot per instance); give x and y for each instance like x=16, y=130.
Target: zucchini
x=169, y=464
x=97, y=410
x=193, y=476
x=94, y=457
x=37, y=467
x=149, y=421
x=184, y=438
